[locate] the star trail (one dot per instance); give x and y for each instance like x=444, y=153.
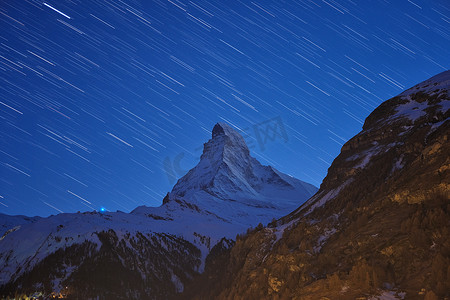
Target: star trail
x=104, y=104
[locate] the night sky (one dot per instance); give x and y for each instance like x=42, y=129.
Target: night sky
x=103, y=104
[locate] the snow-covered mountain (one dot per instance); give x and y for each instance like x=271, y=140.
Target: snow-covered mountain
x=232, y=186
x=160, y=248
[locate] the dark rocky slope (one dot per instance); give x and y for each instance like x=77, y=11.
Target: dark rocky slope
x=378, y=227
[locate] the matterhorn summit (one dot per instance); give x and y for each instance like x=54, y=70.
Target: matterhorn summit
x=227, y=171
x=224, y=168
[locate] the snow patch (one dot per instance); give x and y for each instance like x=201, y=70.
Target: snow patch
x=365, y=157
x=437, y=86
x=365, y=161
x=389, y=295
x=440, y=82
x=319, y=200
x=323, y=238
x=398, y=164
x=445, y=105
x=279, y=230
x=412, y=110
x=179, y=287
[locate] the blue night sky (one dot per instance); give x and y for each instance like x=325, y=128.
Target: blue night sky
x=105, y=103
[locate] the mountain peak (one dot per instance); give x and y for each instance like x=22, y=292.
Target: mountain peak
x=222, y=129
x=232, y=137
x=226, y=145
x=226, y=170
x=225, y=152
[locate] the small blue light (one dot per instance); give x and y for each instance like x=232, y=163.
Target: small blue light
x=102, y=210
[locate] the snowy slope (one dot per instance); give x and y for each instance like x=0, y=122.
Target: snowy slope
x=439, y=82
x=12, y=223
x=227, y=192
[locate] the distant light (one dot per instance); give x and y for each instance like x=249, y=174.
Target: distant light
x=102, y=210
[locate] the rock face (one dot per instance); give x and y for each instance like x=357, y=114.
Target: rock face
x=152, y=252
x=378, y=226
